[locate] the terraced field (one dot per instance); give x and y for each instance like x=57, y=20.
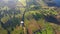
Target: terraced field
x=30, y=17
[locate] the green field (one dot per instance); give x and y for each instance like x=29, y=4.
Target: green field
x=37, y=17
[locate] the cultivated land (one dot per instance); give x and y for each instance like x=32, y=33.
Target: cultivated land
x=29, y=17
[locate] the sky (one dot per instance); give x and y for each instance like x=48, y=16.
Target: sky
x=10, y=0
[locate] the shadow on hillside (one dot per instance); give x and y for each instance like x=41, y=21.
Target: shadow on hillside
x=52, y=19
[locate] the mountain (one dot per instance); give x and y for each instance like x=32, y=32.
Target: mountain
x=55, y=3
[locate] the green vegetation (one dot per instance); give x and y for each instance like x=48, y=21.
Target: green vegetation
x=34, y=19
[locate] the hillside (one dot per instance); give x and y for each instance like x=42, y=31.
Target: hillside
x=29, y=17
